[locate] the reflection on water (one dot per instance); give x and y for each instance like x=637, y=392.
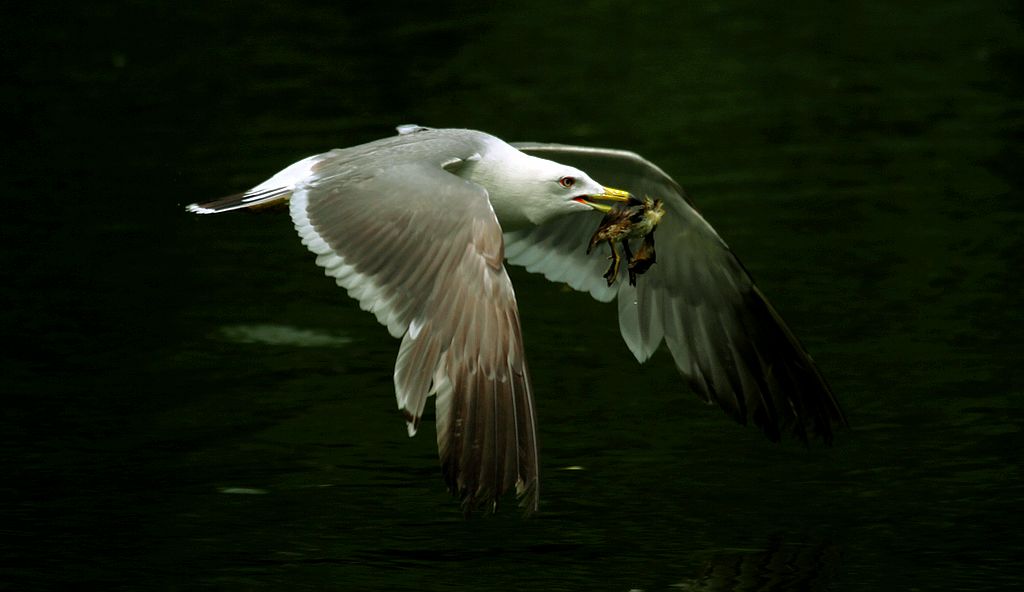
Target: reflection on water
x=803, y=566
x=269, y=334
x=861, y=158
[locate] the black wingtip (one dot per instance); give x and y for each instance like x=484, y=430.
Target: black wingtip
x=486, y=501
x=784, y=393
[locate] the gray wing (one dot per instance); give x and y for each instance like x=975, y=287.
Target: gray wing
x=726, y=339
x=421, y=249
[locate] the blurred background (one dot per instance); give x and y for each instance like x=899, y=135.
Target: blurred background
x=189, y=404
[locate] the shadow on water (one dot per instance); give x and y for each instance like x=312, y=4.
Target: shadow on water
x=190, y=404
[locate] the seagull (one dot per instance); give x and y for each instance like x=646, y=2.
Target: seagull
x=417, y=228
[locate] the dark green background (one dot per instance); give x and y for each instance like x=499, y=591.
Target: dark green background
x=863, y=159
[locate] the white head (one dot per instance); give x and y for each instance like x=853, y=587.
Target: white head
x=525, y=190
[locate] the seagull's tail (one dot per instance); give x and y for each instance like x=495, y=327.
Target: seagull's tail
x=274, y=191
x=254, y=199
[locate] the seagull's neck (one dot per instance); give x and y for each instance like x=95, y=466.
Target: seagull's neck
x=515, y=184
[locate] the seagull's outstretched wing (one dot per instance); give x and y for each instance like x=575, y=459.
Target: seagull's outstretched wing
x=422, y=249
x=725, y=338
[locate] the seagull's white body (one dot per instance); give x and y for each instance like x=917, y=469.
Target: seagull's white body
x=416, y=227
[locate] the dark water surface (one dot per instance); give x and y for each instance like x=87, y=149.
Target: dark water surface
x=189, y=404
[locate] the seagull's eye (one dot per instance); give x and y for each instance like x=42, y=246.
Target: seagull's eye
x=567, y=182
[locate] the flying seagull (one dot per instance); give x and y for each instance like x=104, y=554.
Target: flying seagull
x=416, y=227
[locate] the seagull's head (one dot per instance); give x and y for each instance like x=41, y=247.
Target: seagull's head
x=588, y=192
x=570, y=190
x=540, y=190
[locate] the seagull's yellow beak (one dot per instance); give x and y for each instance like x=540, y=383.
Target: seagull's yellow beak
x=610, y=194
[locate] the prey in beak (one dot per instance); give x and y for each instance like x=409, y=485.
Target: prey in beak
x=609, y=194
x=633, y=219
